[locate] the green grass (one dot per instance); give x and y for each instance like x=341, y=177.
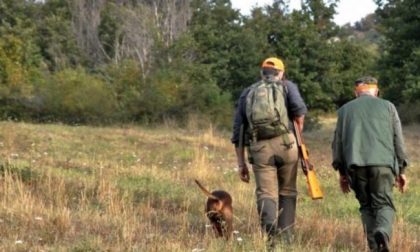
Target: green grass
x=82, y=188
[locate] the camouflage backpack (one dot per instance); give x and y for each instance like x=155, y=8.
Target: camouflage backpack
x=266, y=110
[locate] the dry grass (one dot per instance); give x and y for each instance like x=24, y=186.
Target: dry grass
x=131, y=189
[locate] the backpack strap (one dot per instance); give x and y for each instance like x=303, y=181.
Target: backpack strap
x=286, y=139
x=285, y=91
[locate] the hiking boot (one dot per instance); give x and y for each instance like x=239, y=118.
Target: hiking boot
x=381, y=241
x=286, y=221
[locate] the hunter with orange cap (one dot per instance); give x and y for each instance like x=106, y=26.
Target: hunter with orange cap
x=263, y=123
x=368, y=151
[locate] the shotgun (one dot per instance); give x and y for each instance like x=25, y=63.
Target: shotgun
x=308, y=169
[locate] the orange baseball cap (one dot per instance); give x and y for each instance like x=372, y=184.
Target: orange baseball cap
x=273, y=62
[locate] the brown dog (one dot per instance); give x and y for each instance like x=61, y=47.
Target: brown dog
x=219, y=211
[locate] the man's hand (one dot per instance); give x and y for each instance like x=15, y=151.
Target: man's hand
x=244, y=173
x=401, y=183
x=299, y=121
x=344, y=184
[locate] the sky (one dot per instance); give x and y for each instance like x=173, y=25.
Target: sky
x=348, y=11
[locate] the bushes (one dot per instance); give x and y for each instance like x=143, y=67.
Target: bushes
x=409, y=112
x=74, y=96
x=172, y=91
x=17, y=71
x=117, y=93
x=182, y=89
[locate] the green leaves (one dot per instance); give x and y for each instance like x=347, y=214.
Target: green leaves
x=76, y=97
x=150, y=60
x=400, y=23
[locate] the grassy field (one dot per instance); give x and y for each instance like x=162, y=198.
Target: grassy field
x=80, y=188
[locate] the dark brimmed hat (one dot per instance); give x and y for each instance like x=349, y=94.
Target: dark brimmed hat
x=366, y=80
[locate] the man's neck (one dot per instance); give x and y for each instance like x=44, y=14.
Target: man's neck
x=271, y=79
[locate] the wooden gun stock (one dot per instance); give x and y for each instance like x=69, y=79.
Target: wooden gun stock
x=308, y=169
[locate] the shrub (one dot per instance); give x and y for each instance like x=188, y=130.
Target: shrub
x=409, y=112
x=126, y=82
x=74, y=96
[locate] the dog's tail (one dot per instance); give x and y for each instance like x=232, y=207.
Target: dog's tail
x=206, y=192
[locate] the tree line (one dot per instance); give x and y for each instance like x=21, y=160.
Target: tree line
x=105, y=61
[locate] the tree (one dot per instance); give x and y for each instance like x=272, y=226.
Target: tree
x=303, y=40
x=56, y=38
x=86, y=18
x=20, y=57
x=400, y=68
x=224, y=44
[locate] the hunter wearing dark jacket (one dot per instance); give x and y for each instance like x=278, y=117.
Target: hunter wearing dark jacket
x=274, y=158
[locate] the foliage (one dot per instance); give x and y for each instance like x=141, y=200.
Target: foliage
x=125, y=81
x=409, y=112
x=56, y=37
x=223, y=45
x=400, y=23
x=150, y=61
x=321, y=63
x=182, y=88
x=74, y=96
x=20, y=58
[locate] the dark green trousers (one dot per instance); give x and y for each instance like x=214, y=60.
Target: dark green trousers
x=373, y=187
